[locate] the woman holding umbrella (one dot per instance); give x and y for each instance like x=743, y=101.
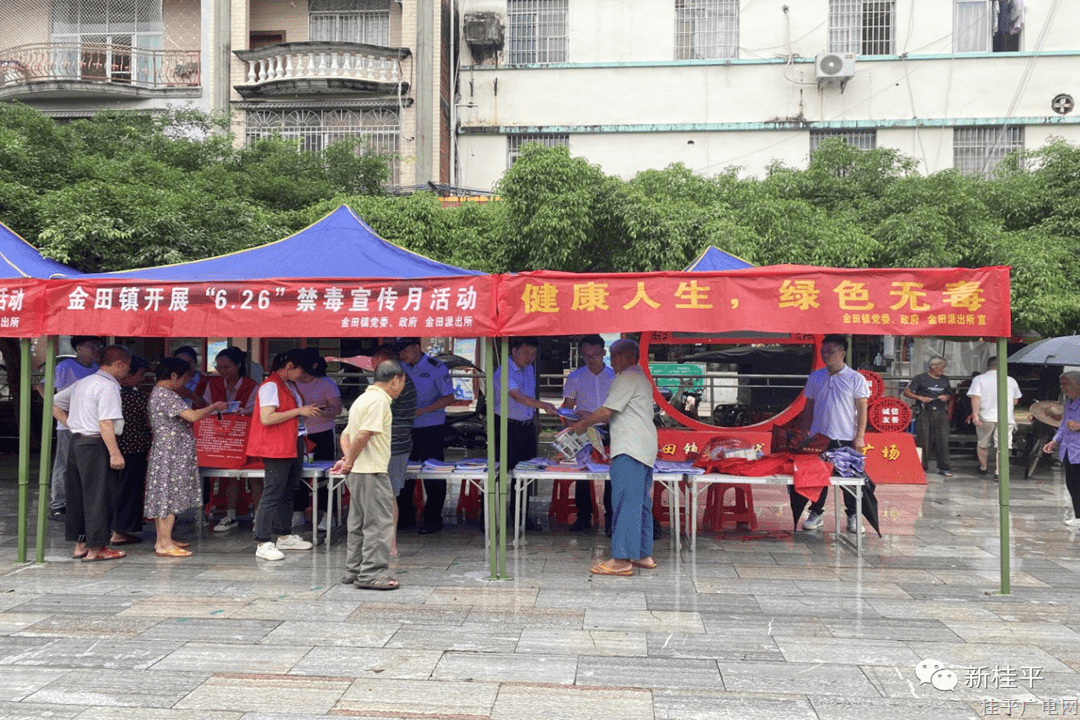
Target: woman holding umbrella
x=1067, y=442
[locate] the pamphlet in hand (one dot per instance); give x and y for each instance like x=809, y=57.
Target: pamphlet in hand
x=568, y=414
x=570, y=443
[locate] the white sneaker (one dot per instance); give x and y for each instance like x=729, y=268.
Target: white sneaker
x=298, y=519
x=853, y=525
x=813, y=521
x=267, y=551
x=226, y=523
x=292, y=542
x=322, y=522
x=1074, y=523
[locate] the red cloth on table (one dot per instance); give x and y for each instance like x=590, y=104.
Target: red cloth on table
x=811, y=473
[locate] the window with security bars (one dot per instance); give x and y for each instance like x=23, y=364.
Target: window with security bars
x=862, y=27
x=359, y=21
x=706, y=29
x=538, y=31
x=978, y=150
x=514, y=143
x=316, y=129
x=107, y=40
x=862, y=139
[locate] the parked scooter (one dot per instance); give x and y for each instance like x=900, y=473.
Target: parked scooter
x=467, y=430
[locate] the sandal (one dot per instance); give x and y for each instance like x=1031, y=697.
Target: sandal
x=651, y=565
x=380, y=584
x=77, y=556
x=106, y=554
x=173, y=552
x=179, y=544
x=128, y=540
x=602, y=569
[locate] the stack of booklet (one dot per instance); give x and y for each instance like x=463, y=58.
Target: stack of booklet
x=683, y=467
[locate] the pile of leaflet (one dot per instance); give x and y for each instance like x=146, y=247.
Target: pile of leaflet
x=846, y=462
x=683, y=467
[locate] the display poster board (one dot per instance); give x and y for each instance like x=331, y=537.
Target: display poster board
x=221, y=441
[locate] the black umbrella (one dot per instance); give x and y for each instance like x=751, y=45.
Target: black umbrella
x=1051, y=351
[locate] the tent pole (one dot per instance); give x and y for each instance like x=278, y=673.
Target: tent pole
x=24, y=446
x=45, y=464
x=493, y=534
x=1004, y=409
x=504, y=400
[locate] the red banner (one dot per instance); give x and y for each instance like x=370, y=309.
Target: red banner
x=222, y=443
x=20, y=307
x=454, y=307
x=783, y=298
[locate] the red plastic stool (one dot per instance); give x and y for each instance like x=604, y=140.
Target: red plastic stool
x=717, y=513
x=418, y=501
x=562, y=504
x=469, y=501
x=219, y=499
x=661, y=512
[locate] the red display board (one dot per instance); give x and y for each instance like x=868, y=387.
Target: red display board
x=451, y=306
x=783, y=298
x=222, y=443
x=21, y=302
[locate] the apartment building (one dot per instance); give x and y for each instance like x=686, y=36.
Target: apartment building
x=72, y=58
x=636, y=84
x=319, y=70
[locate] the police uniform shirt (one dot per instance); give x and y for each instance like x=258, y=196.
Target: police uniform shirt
x=521, y=379
x=588, y=389
x=432, y=381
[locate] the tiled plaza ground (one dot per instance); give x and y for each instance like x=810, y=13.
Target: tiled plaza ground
x=765, y=625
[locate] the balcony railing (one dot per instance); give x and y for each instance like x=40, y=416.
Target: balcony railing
x=289, y=67
x=99, y=63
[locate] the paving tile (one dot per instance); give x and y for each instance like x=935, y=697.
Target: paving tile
x=14, y=622
x=18, y=682
x=102, y=653
x=502, y=667
x=529, y=617
x=172, y=606
x=228, y=658
x=543, y=702
x=77, y=604
x=859, y=708
x=358, y=662
x=739, y=586
x=549, y=641
x=31, y=711
x=780, y=625
x=891, y=629
x=274, y=609
x=484, y=597
x=386, y=613
x=119, y=688
x=694, y=602
x=930, y=609
x=847, y=651
x=1029, y=633
x=797, y=678
x=398, y=698
x=901, y=683
x=185, y=629
x=89, y=626
x=266, y=693
x=817, y=606
x=303, y=632
x=643, y=621
x=115, y=713
x=716, y=705
x=961, y=655
x=747, y=646
x=600, y=599
x=663, y=672
x=498, y=639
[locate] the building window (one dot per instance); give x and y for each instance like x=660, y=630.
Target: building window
x=706, y=29
x=539, y=31
x=316, y=129
x=862, y=27
x=358, y=21
x=107, y=40
x=978, y=150
x=514, y=143
x=862, y=139
x=987, y=26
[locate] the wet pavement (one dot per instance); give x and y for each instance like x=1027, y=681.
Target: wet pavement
x=762, y=624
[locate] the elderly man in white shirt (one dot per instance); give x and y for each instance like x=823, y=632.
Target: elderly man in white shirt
x=984, y=412
x=91, y=410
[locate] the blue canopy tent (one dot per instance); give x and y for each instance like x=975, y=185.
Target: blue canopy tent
x=341, y=244
x=714, y=259
x=19, y=259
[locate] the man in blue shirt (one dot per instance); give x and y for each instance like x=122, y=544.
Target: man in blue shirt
x=522, y=429
x=434, y=391
x=584, y=392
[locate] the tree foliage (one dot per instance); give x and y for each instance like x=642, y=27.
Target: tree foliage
x=127, y=190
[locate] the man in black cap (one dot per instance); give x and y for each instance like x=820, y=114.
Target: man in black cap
x=434, y=391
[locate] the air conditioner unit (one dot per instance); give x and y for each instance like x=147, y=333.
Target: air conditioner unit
x=834, y=66
x=483, y=29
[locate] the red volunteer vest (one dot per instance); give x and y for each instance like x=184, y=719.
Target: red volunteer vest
x=274, y=441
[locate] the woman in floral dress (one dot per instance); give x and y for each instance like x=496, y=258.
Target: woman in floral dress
x=173, y=483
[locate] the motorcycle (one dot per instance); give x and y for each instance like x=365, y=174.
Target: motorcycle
x=467, y=430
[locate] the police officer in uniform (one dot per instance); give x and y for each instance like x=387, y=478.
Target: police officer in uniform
x=434, y=391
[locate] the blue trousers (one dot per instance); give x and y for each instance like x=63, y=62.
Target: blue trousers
x=631, y=500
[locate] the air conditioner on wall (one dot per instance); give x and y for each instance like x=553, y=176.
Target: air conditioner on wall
x=834, y=66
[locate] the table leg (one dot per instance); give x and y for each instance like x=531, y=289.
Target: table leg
x=675, y=525
x=693, y=515
x=858, y=510
x=517, y=512
x=315, y=510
